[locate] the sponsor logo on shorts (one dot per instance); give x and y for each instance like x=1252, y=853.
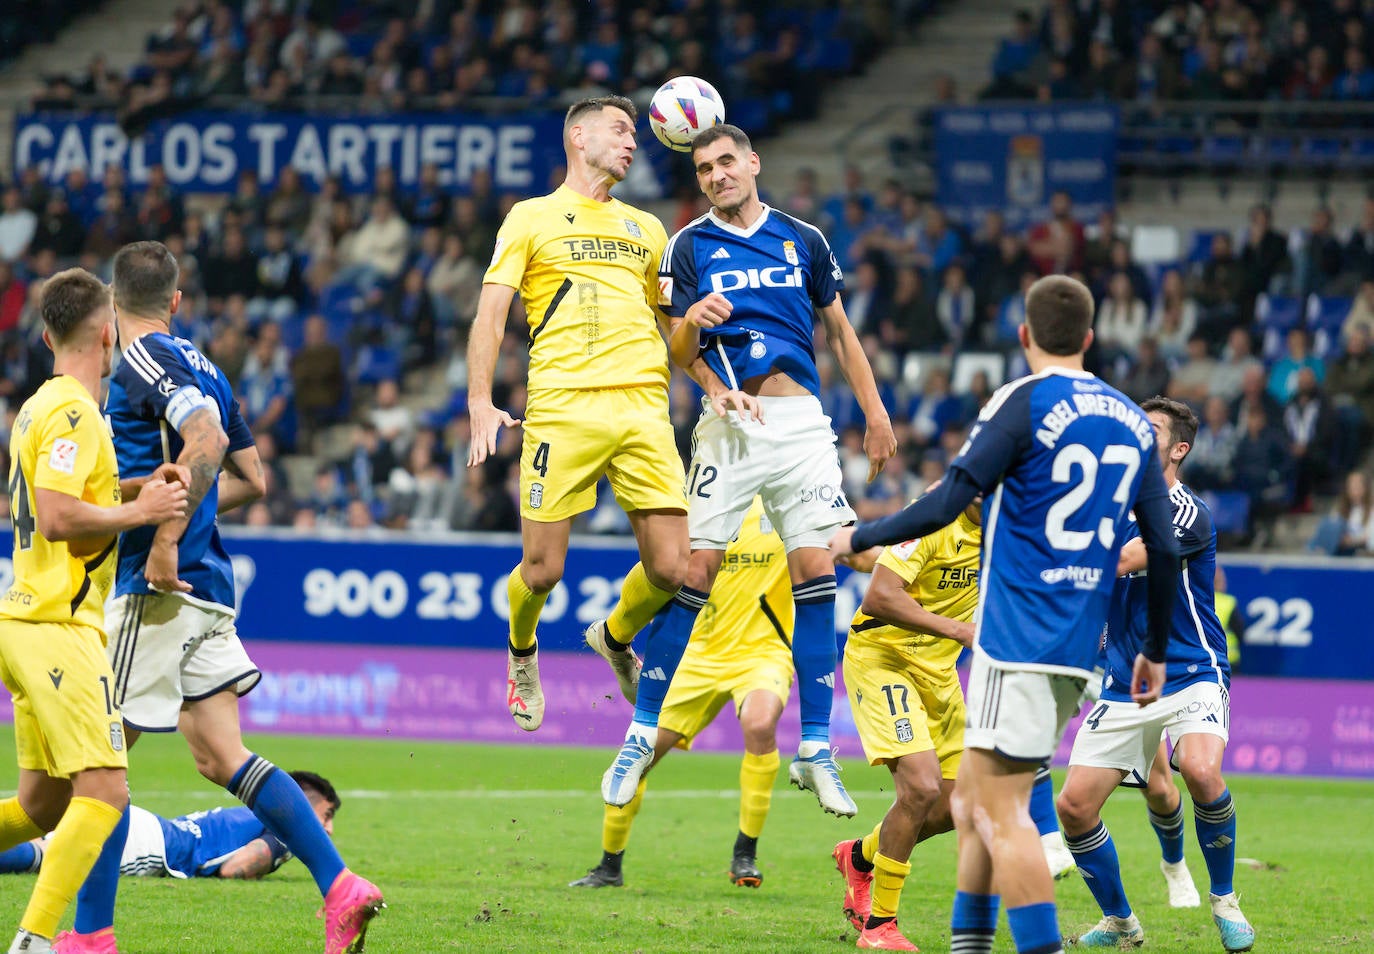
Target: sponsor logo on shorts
x=1082, y=577
x=825, y=493
x=536, y=496
x=904, y=733
x=116, y=736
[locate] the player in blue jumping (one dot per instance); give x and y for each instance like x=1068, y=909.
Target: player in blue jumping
x=1118, y=740
x=741, y=286
x=1061, y=457
x=176, y=656
x=218, y=843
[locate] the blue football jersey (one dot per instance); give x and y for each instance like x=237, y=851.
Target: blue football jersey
x=198, y=843
x=775, y=274
x=1061, y=457
x=160, y=381
x=1197, y=642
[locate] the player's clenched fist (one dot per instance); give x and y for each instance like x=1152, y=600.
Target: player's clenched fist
x=711, y=311
x=487, y=421
x=161, y=501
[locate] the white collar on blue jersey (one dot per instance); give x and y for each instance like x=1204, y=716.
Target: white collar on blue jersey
x=1067, y=372
x=735, y=229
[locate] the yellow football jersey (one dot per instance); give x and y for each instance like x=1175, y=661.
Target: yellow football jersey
x=60, y=442
x=941, y=573
x=750, y=611
x=588, y=274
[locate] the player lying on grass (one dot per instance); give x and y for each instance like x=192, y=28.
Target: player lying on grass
x=739, y=651
x=1118, y=740
x=218, y=843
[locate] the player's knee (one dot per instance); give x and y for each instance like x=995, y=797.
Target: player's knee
x=216, y=768
x=1203, y=778
x=670, y=572
x=541, y=573
x=917, y=792
x=1076, y=814
x=760, y=732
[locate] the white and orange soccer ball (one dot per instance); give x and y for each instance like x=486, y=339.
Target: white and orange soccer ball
x=683, y=107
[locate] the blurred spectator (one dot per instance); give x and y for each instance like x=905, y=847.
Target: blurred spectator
x=864, y=300
x=369, y=463
x=1098, y=242
x=1350, y=379
x=1254, y=395
x=394, y=422
x=1320, y=261
x=1148, y=373
x=231, y=270
x=954, y=306
x=1309, y=424
x=1174, y=318
x=1361, y=314
x=265, y=388
x=1264, y=260
x=1237, y=359
x=456, y=278
x=428, y=205
x=1192, y=379
x=318, y=380
x=113, y=228
x=935, y=409
x=937, y=245
x=288, y=205
x=1121, y=319
x=1263, y=468
x=17, y=226
x=1218, y=289
x=58, y=229
x=316, y=39
x=229, y=350
x=13, y=293
x=1359, y=248
x=1015, y=54
x=1297, y=356
x=483, y=505
x=1056, y=245
x=380, y=244
x=411, y=308
x=1348, y=528
x=279, y=288
x=910, y=322
x=1211, y=461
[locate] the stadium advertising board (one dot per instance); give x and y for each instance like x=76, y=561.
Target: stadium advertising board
x=451, y=592
x=1012, y=159
x=204, y=151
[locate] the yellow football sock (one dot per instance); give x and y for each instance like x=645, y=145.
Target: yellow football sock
x=615, y=824
x=639, y=601
x=75, y=844
x=757, y=773
x=525, y=605
x=16, y=827
x=870, y=845
x=888, y=877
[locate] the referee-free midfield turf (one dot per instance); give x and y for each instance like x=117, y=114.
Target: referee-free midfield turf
x=474, y=846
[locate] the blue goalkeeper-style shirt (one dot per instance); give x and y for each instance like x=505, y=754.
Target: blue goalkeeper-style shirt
x=774, y=274
x=198, y=843
x=160, y=382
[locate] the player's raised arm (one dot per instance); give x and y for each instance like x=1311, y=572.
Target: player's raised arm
x=879, y=441
x=887, y=599
x=484, y=344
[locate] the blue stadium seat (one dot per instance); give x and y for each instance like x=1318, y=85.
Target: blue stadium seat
x=1223, y=150
x=1230, y=511
x=1321, y=150
x=1276, y=315
x=1200, y=249
x=1273, y=150
x=376, y=364
x=829, y=54
x=1361, y=153
x=748, y=112
x=1325, y=316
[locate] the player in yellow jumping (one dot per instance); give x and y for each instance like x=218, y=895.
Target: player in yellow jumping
x=66, y=515
x=909, y=709
x=740, y=651
x=586, y=267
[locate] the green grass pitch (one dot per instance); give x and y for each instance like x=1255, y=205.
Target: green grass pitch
x=474, y=846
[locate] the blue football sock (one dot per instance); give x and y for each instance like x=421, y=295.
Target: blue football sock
x=1035, y=928
x=665, y=640
x=1216, y=833
x=1096, y=856
x=283, y=809
x=813, y=654
x=1169, y=830
x=1042, y=802
x=973, y=923
x=95, y=901
x=21, y=859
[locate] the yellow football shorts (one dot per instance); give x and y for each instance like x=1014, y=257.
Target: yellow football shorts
x=65, y=719
x=700, y=690
x=901, y=708
x=574, y=438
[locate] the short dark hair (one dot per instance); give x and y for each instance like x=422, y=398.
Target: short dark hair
x=595, y=105
x=1182, y=420
x=320, y=784
x=145, y=279
x=68, y=299
x=722, y=131
x=1059, y=312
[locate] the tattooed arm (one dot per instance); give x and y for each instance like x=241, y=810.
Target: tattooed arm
x=243, y=479
x=204, y=445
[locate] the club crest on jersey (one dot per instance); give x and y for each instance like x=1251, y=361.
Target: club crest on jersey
x=633, y=228
x=536, y=496
x=904, y=733
x=757, y=350
x=789, y=252
x=116, y=736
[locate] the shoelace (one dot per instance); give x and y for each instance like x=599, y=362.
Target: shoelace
x=630, y=753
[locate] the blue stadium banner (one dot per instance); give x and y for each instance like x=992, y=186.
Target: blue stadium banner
x=1014, y=158
x=1305, y=616
x=203, y=151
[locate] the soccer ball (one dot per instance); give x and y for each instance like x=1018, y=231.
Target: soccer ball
x=683, y=107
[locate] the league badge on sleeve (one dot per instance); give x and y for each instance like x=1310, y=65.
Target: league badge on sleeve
x=63, y=456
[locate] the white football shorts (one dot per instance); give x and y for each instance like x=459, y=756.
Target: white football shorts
x=166, y=650
x=1125, y=736
x=789, y=460
x=1018, y=714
